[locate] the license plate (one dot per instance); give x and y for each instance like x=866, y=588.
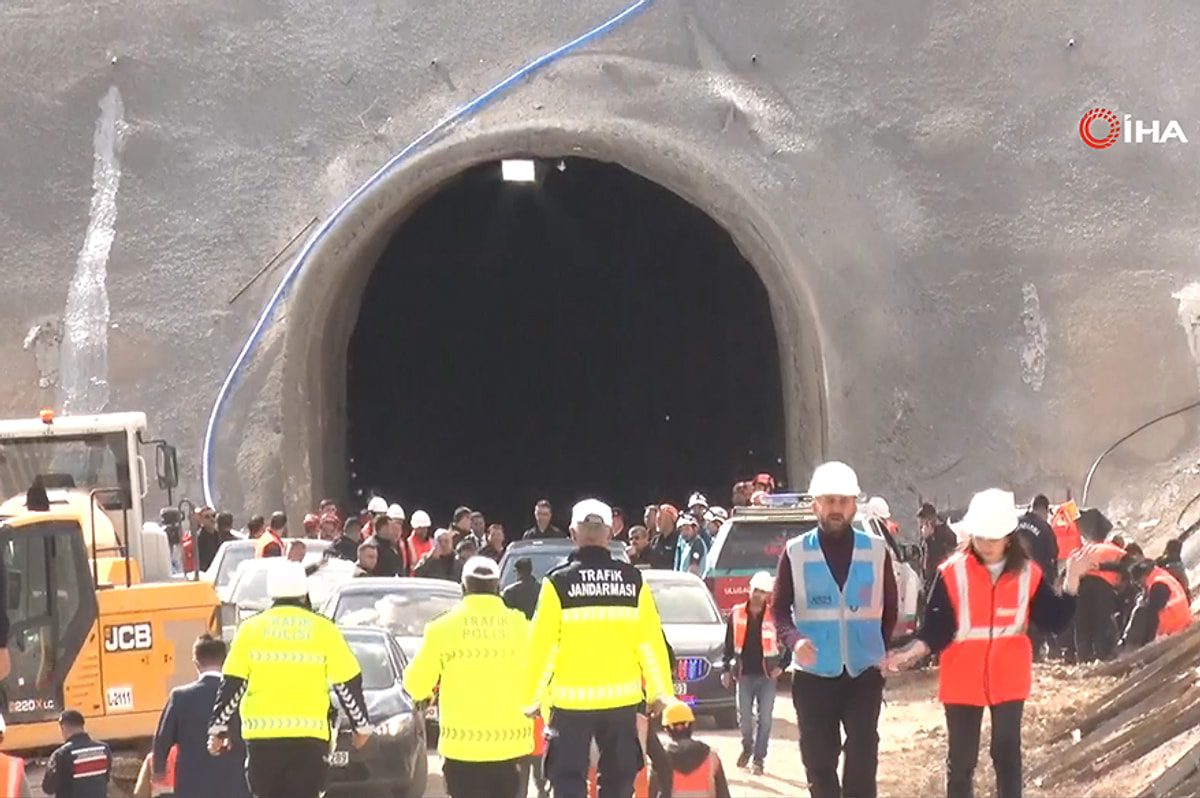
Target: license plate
x=680, y=688
x=339, y=759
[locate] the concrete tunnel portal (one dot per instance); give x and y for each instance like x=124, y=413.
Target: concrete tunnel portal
x=492, y=342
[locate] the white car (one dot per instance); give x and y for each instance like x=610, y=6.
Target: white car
x=232, y=553
x=246, y=595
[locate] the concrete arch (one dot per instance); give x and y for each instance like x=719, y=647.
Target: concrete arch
x=325, y=300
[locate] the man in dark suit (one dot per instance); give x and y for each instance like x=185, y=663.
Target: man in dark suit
x=185, y=722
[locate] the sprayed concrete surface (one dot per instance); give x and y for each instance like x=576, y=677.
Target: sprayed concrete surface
x=964, y=293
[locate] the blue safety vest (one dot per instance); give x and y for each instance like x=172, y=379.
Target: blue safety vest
x=845, y=625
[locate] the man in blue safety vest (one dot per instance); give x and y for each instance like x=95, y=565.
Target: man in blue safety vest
x=835, y=607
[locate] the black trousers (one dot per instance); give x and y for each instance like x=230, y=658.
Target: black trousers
x=1095, y=620
x=481, y=779
x=569, y=747
x=287, y=768
x=527, y=767
x=824, y=707
x=963, y=727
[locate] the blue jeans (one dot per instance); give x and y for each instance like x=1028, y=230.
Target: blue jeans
x=752, y=690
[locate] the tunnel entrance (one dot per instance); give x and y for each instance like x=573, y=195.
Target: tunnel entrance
x=588, y=334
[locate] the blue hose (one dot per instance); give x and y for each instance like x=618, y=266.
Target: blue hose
x=302, y=260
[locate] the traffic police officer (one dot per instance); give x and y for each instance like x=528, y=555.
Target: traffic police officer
x=279, y=670
x=597, y=651
x=482, y=737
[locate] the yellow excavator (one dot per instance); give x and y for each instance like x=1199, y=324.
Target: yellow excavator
x=97, y=620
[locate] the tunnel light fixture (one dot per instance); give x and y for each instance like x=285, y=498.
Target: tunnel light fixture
x=518, y=170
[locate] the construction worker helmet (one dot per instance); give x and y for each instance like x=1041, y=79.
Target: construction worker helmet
x=678, y=713
x=377, y=506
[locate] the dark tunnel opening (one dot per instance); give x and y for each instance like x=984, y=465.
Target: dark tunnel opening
x=591, y=334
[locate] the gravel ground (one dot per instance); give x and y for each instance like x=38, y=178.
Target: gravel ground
x=912, y=744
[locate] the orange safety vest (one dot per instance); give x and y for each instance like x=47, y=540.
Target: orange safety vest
x=1177, y=615
x=1066, y=532
x=188, y=548
x=417, y=548
x=1108, y=552
x=12, y=771
x=264, y=540
x=700, y=783
x=741, y=617
x=990, y=660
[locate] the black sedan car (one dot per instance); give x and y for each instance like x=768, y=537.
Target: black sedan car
x=696, y=632
x=393, y=763
x=544, y=555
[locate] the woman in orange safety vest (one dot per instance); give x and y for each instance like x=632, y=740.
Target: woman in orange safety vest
x=978, y=616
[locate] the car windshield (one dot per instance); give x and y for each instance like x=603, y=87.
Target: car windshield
x=754, y=546
x=680, y=602
x=544, y=560
x=235, y=554
x=403, y=614
x=250, y=585
x=372, y=656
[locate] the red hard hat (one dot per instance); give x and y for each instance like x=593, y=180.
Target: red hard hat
x=310, y=520
x=765, y=479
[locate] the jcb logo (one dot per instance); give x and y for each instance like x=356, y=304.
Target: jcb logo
x=128, y=637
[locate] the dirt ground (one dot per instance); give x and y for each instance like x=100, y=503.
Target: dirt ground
x=913, y=744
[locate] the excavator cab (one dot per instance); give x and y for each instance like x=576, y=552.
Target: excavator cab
x=51, y=606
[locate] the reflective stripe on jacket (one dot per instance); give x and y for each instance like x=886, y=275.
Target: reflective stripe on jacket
x=480, y=641
x=1177, y=615
x=844, y=625
x=289, y=657
x=991, y=659
x=700, y=783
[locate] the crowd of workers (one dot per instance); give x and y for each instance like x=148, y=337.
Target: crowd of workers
x=591, y=668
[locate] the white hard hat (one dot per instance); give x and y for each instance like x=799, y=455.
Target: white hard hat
x=420, y=520
x=286, y=580
x=991, y=515
x=3, y=725
x=377, y=505
x=395, y=513
x=697, y=498
x=878, y=507
x=762, y=581
x=834, y=479
x=589, y=509
x=480, y=568
x=686, y=519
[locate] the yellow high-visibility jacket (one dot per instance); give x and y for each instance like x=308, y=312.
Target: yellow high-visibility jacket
x=289, y=657
x=597, y=642
x=478, y=652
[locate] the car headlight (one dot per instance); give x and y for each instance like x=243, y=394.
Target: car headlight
x=395, y=725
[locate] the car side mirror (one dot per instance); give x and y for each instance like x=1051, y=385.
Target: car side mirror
x=166, y=465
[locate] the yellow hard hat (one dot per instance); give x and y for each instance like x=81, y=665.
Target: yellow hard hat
x=678, y=714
